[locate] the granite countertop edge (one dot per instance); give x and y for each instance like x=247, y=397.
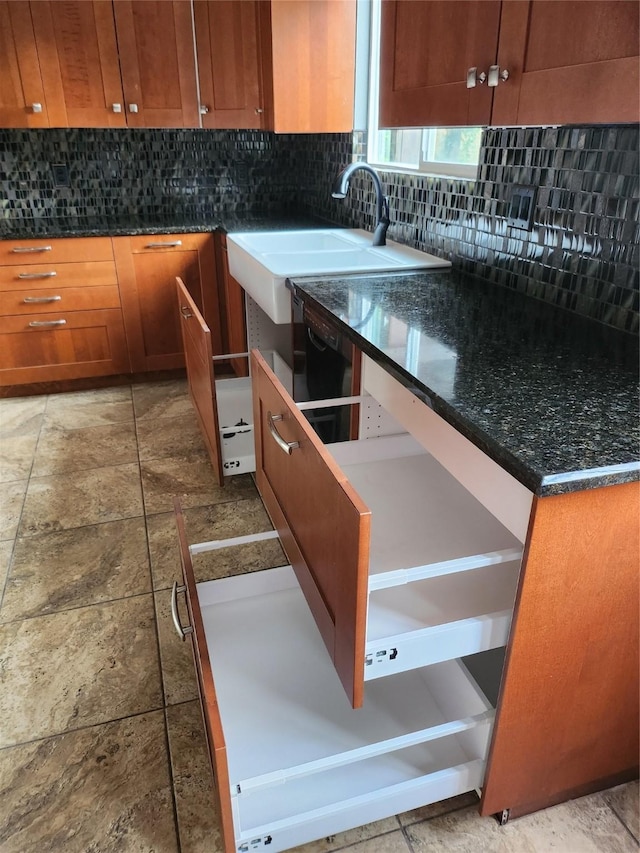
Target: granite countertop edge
x=540, y=483
x=50, y=229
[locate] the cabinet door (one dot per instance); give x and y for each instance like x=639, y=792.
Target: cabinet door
x=569, y=62
x=78, y=55
x=313, y=45
x=426, y=51
x=229, y=68
x=196, y=338
x=157, y=62
x=22, y=102
x=305, y=491
x=147, y=270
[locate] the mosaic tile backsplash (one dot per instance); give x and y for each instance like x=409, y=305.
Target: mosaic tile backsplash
x=581, y=252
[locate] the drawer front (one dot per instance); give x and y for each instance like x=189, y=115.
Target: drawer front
x=51, y=347
x=59, y=250
x=196, y=338
x=206, y=687
x=53, y=301
x=57, y=275
x=168, y=242
x=324, y=525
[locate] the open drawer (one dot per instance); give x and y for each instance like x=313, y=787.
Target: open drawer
x=401, y=566
x=292, y=761
x=223, y=406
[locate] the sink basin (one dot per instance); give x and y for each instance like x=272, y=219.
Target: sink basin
x=261, y=261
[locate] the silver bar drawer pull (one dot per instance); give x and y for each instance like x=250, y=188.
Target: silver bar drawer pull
x=40, y=300
x=25, y=275
x=182, y=632
x=24, y=249
x=166, y=245
x=286, y=446
x=38, y=324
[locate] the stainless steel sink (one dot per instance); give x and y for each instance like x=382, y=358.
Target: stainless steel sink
x=261, y=261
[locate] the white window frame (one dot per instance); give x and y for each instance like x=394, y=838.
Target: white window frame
x=425, y=165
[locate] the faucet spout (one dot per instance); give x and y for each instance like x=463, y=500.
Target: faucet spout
x=341, y=187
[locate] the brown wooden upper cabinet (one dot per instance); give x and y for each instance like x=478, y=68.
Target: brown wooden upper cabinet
x=230, y=63
x=287, y=65
x=313, y=60
x=451, y=63
x=22, y=102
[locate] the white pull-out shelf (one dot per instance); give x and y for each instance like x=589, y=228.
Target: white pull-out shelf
x=302, y=763
x=400, y=564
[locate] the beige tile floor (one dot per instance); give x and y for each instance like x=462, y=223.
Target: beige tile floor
x=101, y=742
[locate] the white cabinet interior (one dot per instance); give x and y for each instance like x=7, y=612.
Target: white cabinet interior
x=293, y=760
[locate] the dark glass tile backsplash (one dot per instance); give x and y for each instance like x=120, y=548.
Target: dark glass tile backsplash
x=581, y=252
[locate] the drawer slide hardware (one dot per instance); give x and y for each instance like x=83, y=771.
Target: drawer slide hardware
x=362, y=753
x=216, y=544
x=183, y=631
x=286, y=446
x=29, y=275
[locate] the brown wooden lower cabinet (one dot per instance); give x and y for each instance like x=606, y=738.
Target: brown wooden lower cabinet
x=60, y=314
x=147, y=269
x=490, y=637
x=52, y=346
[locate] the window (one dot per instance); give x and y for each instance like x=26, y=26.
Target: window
x=437, y=150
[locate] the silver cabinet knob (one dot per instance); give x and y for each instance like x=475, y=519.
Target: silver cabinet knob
x=496, y=75
x=259, y=110
x=473, y=78
x=133, y=108
x=117, y=108
x=36, y=108
x=204, y=109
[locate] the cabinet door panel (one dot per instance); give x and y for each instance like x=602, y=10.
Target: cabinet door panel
x=78, y=55
x=313, y=44
x=91, y=343
x=229, y=72
x=585, y=54
x=147, y=270
x=567, y=719
x=425, y=51
x=157, y=61
x=307, y=496
x=20, y=78
x=196, y=339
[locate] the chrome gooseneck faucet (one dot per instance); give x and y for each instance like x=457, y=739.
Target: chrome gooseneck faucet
x=341, y=187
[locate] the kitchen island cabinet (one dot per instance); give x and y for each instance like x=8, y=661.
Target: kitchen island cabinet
x=551, y=399
x=495, y=63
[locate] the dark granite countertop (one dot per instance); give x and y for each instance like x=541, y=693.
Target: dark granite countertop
x=549, y=396
x=136, y=225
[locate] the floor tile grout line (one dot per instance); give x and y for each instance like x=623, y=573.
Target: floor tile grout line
x=172, y=781
x=623, y=822
x=156, y=710
x=74, y=608
x=24, y=499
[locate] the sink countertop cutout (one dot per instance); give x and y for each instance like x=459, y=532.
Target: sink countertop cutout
x=262, y=261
